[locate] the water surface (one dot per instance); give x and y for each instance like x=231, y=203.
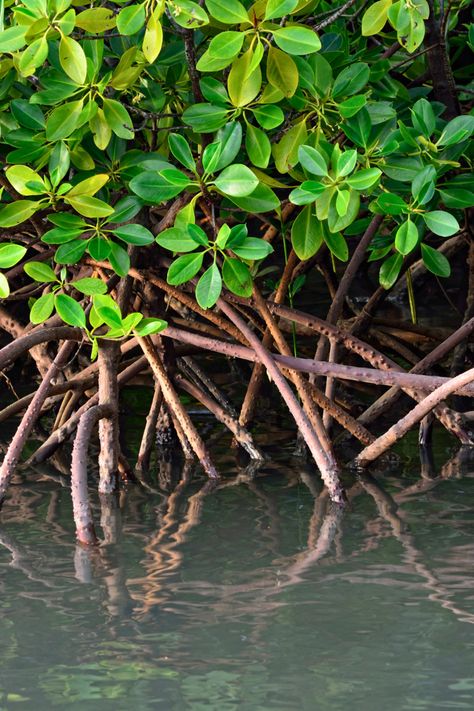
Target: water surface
x=257, y=596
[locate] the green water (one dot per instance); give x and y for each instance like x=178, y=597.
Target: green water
x=256, y=596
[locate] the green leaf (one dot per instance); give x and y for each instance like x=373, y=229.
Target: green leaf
x=39, y=271
x=96, y=20
x=406, y=237
x=33, y=56
x=90, y=286
x=279, y=8
x=338, y=222
x=237, y=278
x=89, y=206
x=67, y=221
x=312, y=160
x=26, y=114
x=351, y=80
x=307, y=192
x=73, y=60
x=392, y=204
x=99, y=248
x=4, y=287
x=253, y=248
x=176, y=240
x=269, y=116
x=184, y=268
x=131, y=19
x=423, y=117
x=282, y=72
x=364, y=179
x=375, y=17
x=350, y=107
x=11, y=254
x=457, y=130
x=229, y=12
x=148, y=326
x=210, y=157
x=126, y=209
x=42, y=308
x=111, y=317
x=118, y=118
x=179, y=147
x=306, y=234
x=262, y=199
x=209, y=287
x=434, y=261
x=296, y=39
x=346, y=163
x=89, y=186
x=60, y=236
x=153, y=38
x=423, y=185
x=236, y=180
x=441, y=223
x=285, y=152
x=17, y=212
x=230, y=139
x=198, y=235
x=71, y=252
x=226, y=44
x=134, y=234
x=189, y=14
x=13, y=38
x=59, y=162
x=389, y=270
x=205, y=118
x=457, y=197
x=119, y=259
x=63, y=120
x=258, y=147
x=342, y=202
x=244, y=83
x=337, y=245
x=69, y=310
x=153, y=187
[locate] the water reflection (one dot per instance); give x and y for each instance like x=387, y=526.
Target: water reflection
x=251, y=594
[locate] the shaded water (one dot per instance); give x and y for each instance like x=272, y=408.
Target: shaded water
x=256, y=596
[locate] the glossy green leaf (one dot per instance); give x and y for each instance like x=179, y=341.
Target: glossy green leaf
x=237, y=277
x=236, y=180
x=90, y=286
x=17, y=212
x=176, y=240
x=441, y=223
x=42, y=308
x=375, y=17
x=279, y=8
x=253, y=248
x=73, y=60
x=306, y=234
x=406, y=238
x=434, y=261
x=282, y=72
x=39, y=271
x=184, y=268
x=11, y=254
x=69, y=310
x=209, y=287
x=134, y=234
x=229, y=12
x=296, y=39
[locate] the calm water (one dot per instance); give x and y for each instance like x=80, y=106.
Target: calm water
x=256, y=596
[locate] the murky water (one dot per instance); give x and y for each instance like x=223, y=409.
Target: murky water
x=256, y=596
